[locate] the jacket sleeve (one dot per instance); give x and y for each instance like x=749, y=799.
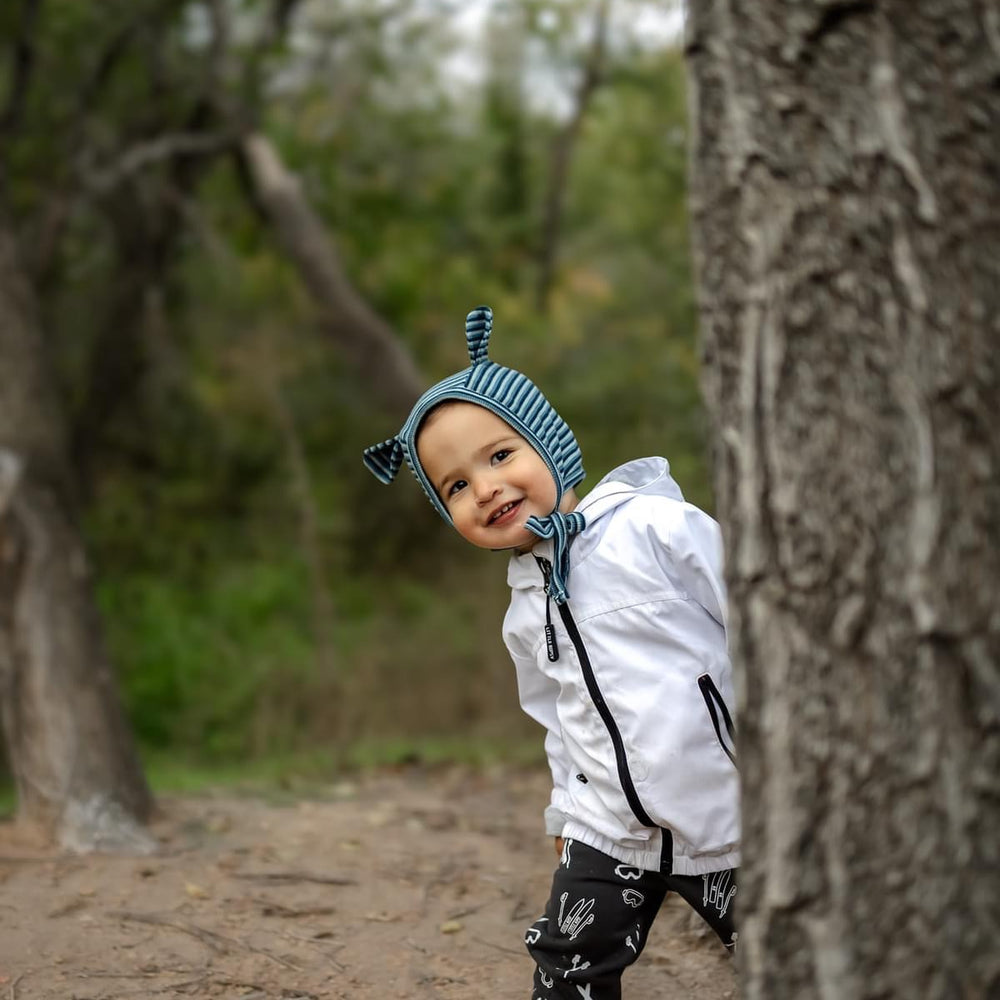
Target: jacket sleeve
x=538, y=695
x=690, y=550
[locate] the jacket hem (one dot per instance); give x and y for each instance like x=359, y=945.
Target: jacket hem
x=705, y=864
x=555, y=820
x=649, y=859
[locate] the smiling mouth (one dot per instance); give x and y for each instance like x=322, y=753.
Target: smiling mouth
x=505, y=513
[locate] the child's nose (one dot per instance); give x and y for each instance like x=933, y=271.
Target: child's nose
x=485, y=488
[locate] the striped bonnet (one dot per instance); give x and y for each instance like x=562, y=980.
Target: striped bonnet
x=514, y=398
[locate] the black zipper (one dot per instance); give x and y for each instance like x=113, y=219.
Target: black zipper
x=628, y=787
x=716, y=707
x=551, y=646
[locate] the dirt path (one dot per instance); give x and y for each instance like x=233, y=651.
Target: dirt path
x=404, y=885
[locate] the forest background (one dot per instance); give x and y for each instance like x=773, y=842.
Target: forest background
x=264, y=599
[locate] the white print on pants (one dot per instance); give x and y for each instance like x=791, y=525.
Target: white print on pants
x=566, y=859
x=628, y=872
x=580, y=915
x=719, y=890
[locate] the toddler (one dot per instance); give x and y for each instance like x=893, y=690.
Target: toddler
x=617, y=630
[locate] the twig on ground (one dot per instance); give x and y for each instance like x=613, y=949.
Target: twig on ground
x=498, y=947
x=83, y=974
x=468, y=911
x=294, y=876
x=13, y=986
x=326, y=952
x=183, y=985
x=219, y=943
x=271, y=909
x=235, y=983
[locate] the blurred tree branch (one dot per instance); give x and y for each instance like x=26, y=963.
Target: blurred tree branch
x=562, y=154
x=161, y=149
x=21, y=67
x=219, y=121
x=366, y=339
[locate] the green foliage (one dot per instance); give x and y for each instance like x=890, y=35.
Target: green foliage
x=197, y=661
x=262, y=593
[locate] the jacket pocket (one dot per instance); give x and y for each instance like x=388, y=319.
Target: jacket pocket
x=722, y=721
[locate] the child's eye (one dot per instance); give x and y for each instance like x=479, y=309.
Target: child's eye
x=456, y=486
x=499, y=456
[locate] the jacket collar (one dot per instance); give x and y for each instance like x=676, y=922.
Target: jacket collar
x=643, y=476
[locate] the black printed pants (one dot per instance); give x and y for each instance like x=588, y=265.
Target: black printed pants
x=599, y=914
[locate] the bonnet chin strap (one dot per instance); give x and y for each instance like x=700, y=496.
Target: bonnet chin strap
x=560, y=527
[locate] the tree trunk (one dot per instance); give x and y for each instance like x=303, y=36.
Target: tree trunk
x=70, y=749
x=846, y=211
x=145, y=238
x=368, y=342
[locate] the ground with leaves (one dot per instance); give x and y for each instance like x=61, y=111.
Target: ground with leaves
x=410, y=884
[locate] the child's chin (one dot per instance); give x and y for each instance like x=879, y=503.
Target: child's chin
x=525, y=542
x=513, y=539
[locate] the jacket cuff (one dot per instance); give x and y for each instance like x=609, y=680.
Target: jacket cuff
x=555, y=820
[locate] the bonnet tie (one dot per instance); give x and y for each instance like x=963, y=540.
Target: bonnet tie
x=560, y=528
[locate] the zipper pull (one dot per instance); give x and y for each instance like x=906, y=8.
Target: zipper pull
x=551, y=646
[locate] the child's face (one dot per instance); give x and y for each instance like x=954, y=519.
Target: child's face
x=486, y=474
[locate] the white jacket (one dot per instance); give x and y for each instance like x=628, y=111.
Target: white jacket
x=636, y=706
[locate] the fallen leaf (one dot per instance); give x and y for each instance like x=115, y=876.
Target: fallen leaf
x=195, y=891
x=452, y=926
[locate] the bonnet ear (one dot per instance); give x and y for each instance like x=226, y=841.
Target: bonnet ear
x=383, y=460
x=478, y=327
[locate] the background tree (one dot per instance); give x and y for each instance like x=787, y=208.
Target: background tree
x=68, y=743
x=237, y=219
x=845, y=193
x=70, y=748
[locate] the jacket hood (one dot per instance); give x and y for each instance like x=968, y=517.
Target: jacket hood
x=640, y=477
x=648, y=476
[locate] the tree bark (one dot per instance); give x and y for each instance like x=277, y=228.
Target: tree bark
x=846, y=214
x=367, y=340
x=69, y=746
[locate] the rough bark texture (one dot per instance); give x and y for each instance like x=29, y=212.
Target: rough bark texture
x=68, y=745
x=846, y=208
